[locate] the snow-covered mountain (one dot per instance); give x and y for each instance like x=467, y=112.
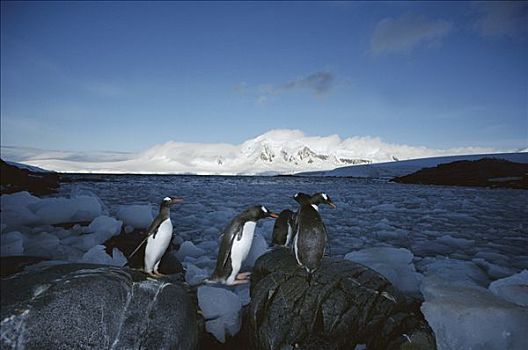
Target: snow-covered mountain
x=275, y=152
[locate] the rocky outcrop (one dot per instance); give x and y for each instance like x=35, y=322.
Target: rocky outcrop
x=80, y=306
x=486, y=172
x=342, y=305
x=16, y=179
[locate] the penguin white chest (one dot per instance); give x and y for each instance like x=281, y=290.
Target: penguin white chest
x=240, y=248
x=156, y=246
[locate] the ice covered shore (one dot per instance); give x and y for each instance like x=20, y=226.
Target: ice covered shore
x=475, y=298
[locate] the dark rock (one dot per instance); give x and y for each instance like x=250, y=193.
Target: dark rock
x=10, y=265
x=486, y=172
x=15, y=179
x=80, y=306
x=343, y=304
x=128, y=242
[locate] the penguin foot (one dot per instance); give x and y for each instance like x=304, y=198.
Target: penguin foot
x=243, y=276
x=238, y=282
x=159, y=274
x=153, y=275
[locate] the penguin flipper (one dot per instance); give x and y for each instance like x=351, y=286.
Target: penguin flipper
x=153, y=228
x=228, y=236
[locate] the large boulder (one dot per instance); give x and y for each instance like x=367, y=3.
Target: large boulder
x=80, y=306
x=342, y=305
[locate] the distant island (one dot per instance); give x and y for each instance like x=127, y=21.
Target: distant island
x=486, y=172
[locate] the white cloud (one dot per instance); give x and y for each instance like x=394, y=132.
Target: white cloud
x=277, y=151
x=402, y=35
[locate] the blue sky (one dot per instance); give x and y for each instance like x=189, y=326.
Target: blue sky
x=125, y=76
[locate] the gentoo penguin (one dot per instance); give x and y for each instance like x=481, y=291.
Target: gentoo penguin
x=235, y=245
x=310, y=239
x=159, y=236
x=283, y=228
x=301, y=198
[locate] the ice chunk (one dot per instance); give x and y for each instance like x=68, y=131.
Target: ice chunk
x=14, y=214
x=258, y=247
x=223, y=308
x=465, y=316
x=105, y=224
x=137, y=216
x=513, y=288
x=98, y=255
x=44, y=244
x=22, y=199
x=393, y=263
x=194, y=275
x=461, y=243
x=61, y=210
x=187, y=248
x=243, y=293
x=454, y=270
x=11, y=243
x=493, y=270
x=208, y=245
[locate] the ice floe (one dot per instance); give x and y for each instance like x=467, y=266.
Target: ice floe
x=466, y=316
x=393, y=263
x=222, y=309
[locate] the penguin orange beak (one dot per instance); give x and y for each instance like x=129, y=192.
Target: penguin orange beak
x=273, y=215
x=332, y=205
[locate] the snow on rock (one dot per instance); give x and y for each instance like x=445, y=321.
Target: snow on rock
x=223, y=307
x=11, y=243
x=258, y=247
x=187, y=248
x=98, y=255
x=455, y=270
x=466, y=316
x=193, y=274
x=513, y=289
x=393, y=263
x=137, y=216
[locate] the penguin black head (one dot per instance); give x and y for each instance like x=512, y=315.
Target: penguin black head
x=322, y=198
x=168, y=201
x=302, y=198
x=258, y=212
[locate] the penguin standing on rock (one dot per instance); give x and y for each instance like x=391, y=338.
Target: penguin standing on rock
x=283, y=228
x=310, y=239
x=235, y=244
x=159, y=236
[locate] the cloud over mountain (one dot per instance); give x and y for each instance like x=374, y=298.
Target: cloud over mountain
x=280, y=151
